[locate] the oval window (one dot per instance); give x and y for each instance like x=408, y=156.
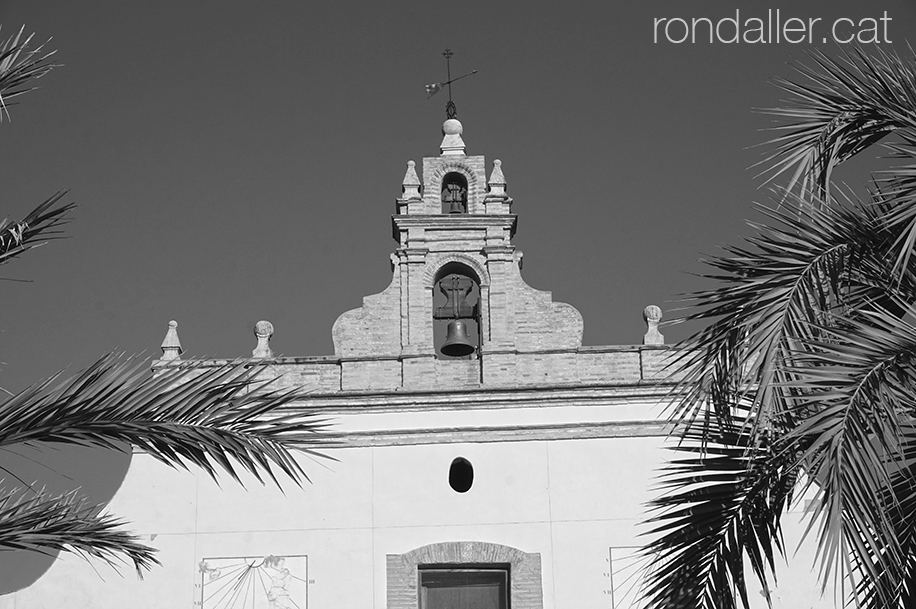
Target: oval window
x=461, y=475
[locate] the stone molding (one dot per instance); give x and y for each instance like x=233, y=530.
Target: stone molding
x=484, y=398
x=506, y=433
x=525, y=589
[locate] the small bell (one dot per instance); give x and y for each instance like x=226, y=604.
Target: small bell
x=457, y=343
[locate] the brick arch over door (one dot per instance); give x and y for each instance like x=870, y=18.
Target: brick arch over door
x=525, y=590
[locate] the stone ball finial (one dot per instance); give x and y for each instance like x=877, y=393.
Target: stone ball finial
x=452, y=126
x=452, y=144
x=652, y=315
x=263, y=330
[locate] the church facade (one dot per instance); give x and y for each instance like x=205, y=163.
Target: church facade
x=487, y=459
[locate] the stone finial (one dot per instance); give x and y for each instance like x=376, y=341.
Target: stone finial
x=652, y=314
x=411, y=184
x=451, y=138
x=171, y=346
x=496, y=186
x=263, y=330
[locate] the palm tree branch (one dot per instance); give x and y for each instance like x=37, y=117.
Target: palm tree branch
x=771, y=297
x=846, y=107
x=860, y=385
x=34, y=229
x=46, y=523
x=185, y=415
x=20, y=65
x=725, y=507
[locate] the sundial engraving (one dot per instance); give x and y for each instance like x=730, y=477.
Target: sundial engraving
x=625, y=568
x=253, y=582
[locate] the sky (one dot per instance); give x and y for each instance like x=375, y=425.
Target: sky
x=238, y=161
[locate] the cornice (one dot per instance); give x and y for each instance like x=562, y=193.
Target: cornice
x=453, y=221
x=547, y=396
x=508, y=433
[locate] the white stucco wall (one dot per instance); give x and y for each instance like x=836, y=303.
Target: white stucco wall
x=568, y=500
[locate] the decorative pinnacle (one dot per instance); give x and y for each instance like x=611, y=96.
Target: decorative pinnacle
x=496, y=185
x=410, y=187
x=171, y=346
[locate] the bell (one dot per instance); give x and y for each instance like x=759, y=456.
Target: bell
x=457, y=342
x=455, y=207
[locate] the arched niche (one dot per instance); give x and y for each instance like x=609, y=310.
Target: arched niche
x=454, y=193
x=456, y=310
x=434, y=185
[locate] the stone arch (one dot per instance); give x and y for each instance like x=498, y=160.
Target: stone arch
x=460, y=167
x=525, y=590
x=435, y=263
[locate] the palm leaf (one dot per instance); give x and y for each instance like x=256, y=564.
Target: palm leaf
x=44, y=523
x=807, y=364
x=20, y=66
x=723, y=504
x=861, y=384
x=217, y=418
x=845, y=106
x=34, y=230
x=208, y=417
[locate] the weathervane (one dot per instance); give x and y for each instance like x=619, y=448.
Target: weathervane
x=451, y=111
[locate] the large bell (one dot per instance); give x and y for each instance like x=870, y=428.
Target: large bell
x=457, y=342
x=455, y=207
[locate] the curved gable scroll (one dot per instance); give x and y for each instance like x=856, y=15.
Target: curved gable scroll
x=373, y=329
x=525, y=590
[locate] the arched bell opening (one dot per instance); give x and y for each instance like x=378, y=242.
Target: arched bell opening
x=456, y=312
x=454, y=194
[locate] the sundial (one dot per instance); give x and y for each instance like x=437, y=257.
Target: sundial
x=253, y=582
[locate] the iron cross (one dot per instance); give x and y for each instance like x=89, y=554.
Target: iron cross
x=451, y=111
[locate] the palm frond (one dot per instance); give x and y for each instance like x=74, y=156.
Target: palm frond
x=217, y=418
x=795, y=275
x=208, y=417
x=20, y=66
x=42, y=523
x=723, y=505
x=845, y=106
x=860, y=386
x=808, y=361
x=34, y=230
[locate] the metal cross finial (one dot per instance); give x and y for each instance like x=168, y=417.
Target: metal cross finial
x=451, y=111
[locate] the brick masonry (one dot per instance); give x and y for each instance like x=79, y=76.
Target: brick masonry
x=525, y=589
x=526, y=339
